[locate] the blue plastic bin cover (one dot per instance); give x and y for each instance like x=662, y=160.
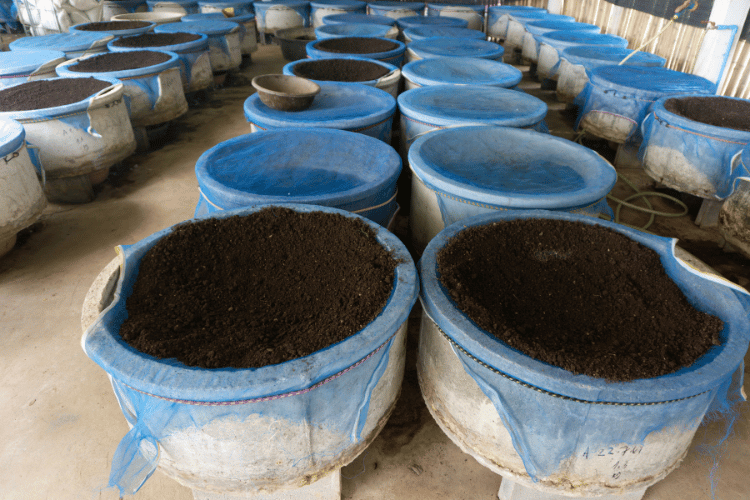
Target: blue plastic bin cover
x=450, y=105
x=461, y=71
x=315, y=166
x=65, y=42
x=547, y=25
x=578, y=401
x=504, y=167
x=12, y=136
x=479, y=8
x=456, y=47
x=208, y=27
x=564, y=39
x=343, y=106
x=595, y=56
x=218, y=16
x=422, y=32
x=651, y=81
x=416, y=21
x=25, y=63
x=164, y=396
x=240, y=7
x=359, y=19
x=347, y=30
x=386, y=6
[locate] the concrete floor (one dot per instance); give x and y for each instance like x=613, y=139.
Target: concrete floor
x=61, y=423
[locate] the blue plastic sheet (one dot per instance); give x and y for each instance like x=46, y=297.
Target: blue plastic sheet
x=456, y=47
x=73, y=44
x=629, y=91
x=461, y=71
x=420, y=33
x=25, y=63
x=347, y=30
x=690, y=156
x=552, y=414
x=561, y=40
x=475, y=170
x=344, y=106
x=417, y=21
x=328, y=391
x=318, y=166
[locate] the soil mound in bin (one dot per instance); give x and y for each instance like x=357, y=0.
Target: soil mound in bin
x=716, y=111
x=41, y=94
x=356, y=45
x=580, y=297
x=156, y=39
x=246, y=292
x=119, y=61
x=113, y=26
x=340, y=70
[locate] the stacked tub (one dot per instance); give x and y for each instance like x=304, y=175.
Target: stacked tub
x=553, y=43
x=499, y=16
x=472, y=14
x=280, y=14
x=530, y=47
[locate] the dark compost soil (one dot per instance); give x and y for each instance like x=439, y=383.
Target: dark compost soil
x=252, y=291
x=41, y=94
x=155, y=39
x=583, y=298
x=113, y=26
x=119, y=61
x=714, y=110
x=356, y=45
x=340, y=70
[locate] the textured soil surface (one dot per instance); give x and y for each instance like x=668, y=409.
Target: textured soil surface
x=119, y=61
x=340, y=70
x=252, y=291
x=579, y=297
x=113, y=26
x=355, y=45
x=41, y=94
x=155, y=39
x=714, y=110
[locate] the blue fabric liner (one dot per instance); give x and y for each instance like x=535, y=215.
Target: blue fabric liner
x=359, y=19
x=344, y=106
x=140, y=380
x=478, y=169
x=630, y=91
x=315, y=166
x=423, y=32
x=707, y=148
x=456, y=47
x=417, y=21
x=527, y=413
x=25, y=63
x=461, y=71
x=12, y=136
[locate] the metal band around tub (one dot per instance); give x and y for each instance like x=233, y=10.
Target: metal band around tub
x=268, y=398
x=546, y=392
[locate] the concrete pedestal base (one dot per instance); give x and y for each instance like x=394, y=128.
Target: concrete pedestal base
x=510, y=490
x=328, y=488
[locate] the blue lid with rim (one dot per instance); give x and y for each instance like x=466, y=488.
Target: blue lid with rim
x=441, y=6
x=65, y=42
x=461, y=71
x=564, y=39
x=356, y=30
x=510, y=167
x=595, y=56
x=318, y=166
x=456, y=47
x=416, y=21
x=208, y=27
x=547, y=25
x=343, y=106
x=422, y=32
x=446, y=105
x=359, y=19
x=24, y=63
x=657, y=80
x=385, y=5
x=12, y=135
x=217, y=16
